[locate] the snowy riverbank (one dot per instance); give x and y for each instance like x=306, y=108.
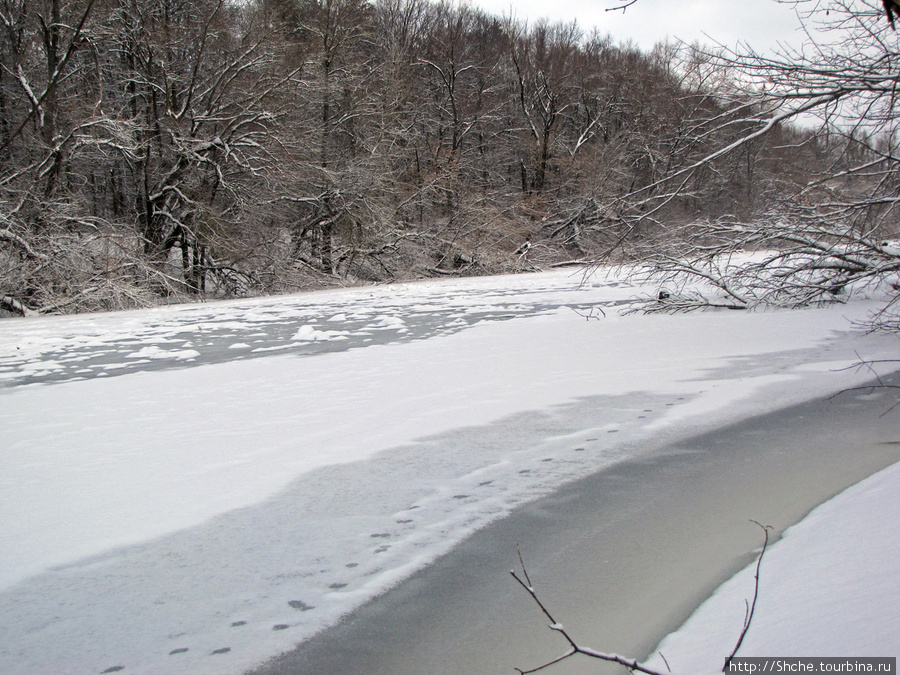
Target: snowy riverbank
x=829, y=588
x=194, y=489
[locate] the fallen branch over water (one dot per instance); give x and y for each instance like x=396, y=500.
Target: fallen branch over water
x=632, y=664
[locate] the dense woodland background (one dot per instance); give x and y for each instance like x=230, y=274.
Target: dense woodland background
x=157, y=150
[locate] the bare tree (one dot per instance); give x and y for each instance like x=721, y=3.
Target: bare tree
x=143, y=135
x=824, y=234
x=172, y=148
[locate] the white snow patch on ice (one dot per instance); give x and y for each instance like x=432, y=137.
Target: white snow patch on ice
x=154, y=352
x=308, y=333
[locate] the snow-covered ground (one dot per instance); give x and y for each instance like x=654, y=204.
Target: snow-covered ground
x=197, y=488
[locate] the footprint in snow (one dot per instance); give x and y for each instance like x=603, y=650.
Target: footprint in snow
x=238, y=623
x=299, y=604
x=114, y=669
x=180, y=650
x=223, y=650
x=337, y=586
x=280, y=626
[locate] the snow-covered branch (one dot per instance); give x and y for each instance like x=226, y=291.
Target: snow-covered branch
x=574, y=647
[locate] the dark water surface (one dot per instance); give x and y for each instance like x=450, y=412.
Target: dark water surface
x=621, y=558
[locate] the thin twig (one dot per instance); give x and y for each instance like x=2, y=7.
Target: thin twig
x=623, y=6
x=868, y=365
x=748, y=617
x=665, y=660
x=574, y=648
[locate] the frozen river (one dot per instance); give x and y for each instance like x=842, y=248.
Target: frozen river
x=101, y=345
x=198, y=488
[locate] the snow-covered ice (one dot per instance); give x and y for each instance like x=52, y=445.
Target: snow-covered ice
x=197, y=488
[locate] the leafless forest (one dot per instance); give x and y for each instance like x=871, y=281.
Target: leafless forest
x=159, y=150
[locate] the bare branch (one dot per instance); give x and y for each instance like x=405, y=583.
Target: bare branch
x=55, y=77
x=748, y=619
x=21, y=242
x=574, y=648
x=623, y=6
